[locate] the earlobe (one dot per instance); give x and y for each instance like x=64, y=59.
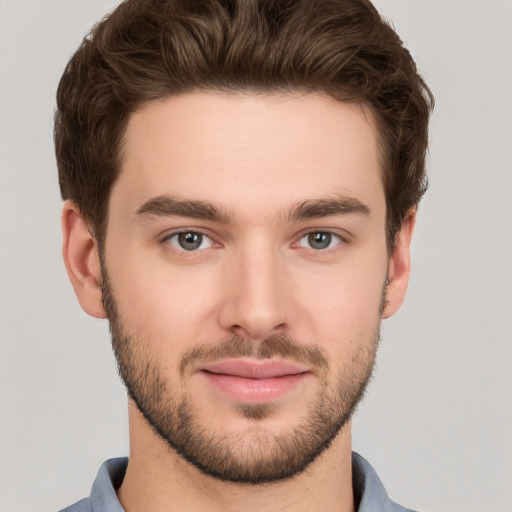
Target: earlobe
x=399, y=267
x=80, y=253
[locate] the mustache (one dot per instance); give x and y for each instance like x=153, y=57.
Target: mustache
x=276, y=345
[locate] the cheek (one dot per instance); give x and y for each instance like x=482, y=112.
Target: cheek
x=344, y=304
x=162, y=304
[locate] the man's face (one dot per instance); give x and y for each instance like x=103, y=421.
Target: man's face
x=244, y=271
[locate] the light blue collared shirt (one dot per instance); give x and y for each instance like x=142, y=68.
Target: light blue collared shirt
x=368, y=489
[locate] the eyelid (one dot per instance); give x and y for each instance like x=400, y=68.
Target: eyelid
x=341, y=235
x=333, y=238
x=165, y=239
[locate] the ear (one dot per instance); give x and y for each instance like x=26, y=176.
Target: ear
x=399, y=267
x=81, y=257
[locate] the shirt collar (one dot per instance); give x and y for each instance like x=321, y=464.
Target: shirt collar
x=369, y=491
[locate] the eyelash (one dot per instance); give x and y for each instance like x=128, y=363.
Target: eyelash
x=295, y=245
x=168, y=238
x=331, y=237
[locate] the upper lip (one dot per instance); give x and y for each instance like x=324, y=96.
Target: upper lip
x=255, y=368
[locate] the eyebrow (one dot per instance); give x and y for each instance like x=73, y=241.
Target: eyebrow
x=314, y=209
x=168, y=206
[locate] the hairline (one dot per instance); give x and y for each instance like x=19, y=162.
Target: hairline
x=374, y=119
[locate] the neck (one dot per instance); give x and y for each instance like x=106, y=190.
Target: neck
x=158, y=479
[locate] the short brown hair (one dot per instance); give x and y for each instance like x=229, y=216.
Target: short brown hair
x=149, y=49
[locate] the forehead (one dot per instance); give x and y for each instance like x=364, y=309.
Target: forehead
x=242, y=150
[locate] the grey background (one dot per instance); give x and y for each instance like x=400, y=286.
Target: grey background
x=437, y=420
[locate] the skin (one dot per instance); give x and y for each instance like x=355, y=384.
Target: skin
x=255, y=158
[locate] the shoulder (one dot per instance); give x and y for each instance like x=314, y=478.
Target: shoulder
x=369, y=491
x=103, y=493
x=84, y=505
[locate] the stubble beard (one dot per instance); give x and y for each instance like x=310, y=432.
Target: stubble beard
x=257, y=455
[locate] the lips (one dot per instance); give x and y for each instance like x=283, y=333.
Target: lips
x=255, y=369
x=254, y=381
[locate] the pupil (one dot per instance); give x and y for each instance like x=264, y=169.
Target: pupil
x=190, y=241
x=319, y=240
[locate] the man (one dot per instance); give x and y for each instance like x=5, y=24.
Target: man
x=241, y=181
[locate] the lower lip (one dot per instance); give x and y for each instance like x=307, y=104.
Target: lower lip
x=255, y=390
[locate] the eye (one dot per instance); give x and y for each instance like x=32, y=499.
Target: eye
x=320, y=240
x=189, y=241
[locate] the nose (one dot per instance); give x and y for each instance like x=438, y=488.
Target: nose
x=256, y=299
